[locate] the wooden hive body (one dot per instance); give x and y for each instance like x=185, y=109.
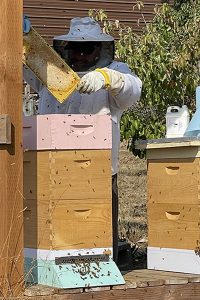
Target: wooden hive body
x=67, y=194
x=174, y=206
x=67, y=182
x=67, y=199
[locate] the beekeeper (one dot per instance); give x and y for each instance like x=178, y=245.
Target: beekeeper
x=107, y=87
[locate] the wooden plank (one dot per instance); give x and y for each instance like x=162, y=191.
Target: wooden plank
x=78, y=224
x=97, y=289
x=11, y=215
x=194, y=278
x=42, y=290
x=70, y=291
x=175, y=278
x=142, y=279
x=5, y=129
x=177, y=292
x=124, y=286
x=39, y=290
x=164, y=277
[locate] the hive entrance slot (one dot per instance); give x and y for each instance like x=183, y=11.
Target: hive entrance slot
x=82, y=259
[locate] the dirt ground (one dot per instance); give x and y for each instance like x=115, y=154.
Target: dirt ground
x=133, y=199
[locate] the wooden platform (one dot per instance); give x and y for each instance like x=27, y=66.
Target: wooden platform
x=140, y=285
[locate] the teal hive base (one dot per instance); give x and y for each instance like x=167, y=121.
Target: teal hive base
x=46, y=272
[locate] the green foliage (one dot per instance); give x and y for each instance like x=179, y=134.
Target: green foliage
x=165, y=57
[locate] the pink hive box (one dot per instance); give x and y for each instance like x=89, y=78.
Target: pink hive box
x=59, y=131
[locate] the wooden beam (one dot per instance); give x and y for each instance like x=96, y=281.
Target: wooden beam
x=140, y=284
x=174, y=292
x=11, y=156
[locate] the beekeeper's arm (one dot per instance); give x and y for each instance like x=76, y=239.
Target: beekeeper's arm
x=123, y=86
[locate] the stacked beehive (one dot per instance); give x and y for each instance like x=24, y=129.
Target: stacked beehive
x=67, y=190
x=173, y=206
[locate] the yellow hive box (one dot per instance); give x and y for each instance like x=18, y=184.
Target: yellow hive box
x=67, y=174
x=67, y=199
x=67, y=224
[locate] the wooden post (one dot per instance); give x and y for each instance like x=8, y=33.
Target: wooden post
x=11, y=155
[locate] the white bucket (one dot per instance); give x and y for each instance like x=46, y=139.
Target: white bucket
x=177, y=120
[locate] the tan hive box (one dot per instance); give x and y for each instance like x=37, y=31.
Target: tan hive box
x=173, y=185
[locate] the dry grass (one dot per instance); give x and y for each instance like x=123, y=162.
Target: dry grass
x=132, y=197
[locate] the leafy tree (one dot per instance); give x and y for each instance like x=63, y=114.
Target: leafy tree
x=165, y=56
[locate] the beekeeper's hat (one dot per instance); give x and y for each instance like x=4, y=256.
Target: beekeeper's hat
x=84, y=29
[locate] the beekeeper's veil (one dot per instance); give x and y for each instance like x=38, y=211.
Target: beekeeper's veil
x=86, y=30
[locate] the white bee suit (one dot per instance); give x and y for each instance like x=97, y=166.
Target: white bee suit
x=100, y=102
